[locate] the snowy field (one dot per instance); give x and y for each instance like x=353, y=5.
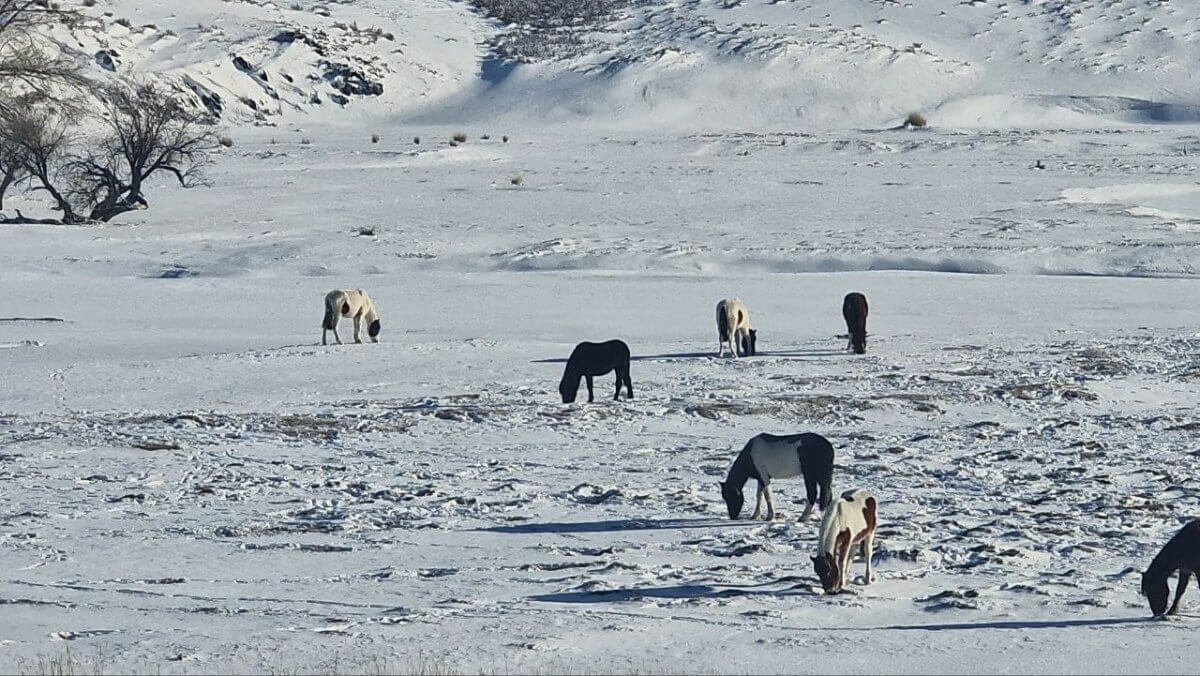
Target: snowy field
x=191, y=483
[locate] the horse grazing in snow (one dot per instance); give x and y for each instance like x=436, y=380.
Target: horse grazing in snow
x=595, y=359
x=733, y=327
x=847, y=522
x=1182, y=553
x=854, y=311
x=350, y=303
x=768, y=456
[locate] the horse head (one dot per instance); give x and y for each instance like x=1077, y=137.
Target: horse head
x=1156, y=591
x=733, y=498
x=827, y=573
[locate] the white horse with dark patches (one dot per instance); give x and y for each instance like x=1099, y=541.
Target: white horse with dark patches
x=733, y=327
x=848, y=521
x=350, y=303
x=768, y=456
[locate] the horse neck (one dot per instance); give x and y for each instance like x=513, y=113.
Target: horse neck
x=741, y=470
x=831, y=525
x=1167, y=560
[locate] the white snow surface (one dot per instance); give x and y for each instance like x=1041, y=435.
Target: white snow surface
x=191, y=483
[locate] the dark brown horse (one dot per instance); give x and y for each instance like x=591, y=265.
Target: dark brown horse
x=1181, y=553
x=595, y=359
x=854, y=311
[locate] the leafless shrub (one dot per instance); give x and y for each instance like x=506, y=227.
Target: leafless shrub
x=460, y=137
x=485, y=137
x=306, y=142
x=915, y=119
x=226, y=141
x=417, y=140
x=453, y=144
x=516, y=180
x=504, y=138
x=124, y=22
x=374, y=138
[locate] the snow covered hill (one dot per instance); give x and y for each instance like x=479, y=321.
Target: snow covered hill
x=691, y=63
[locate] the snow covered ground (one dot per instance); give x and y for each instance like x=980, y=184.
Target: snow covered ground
x=189, y=482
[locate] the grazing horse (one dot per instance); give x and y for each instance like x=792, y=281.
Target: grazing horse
x=1181, y=553
x=595, y=359
x=733, y=327
x=350, y=303
x=768, y=456
x=847, y=522
x=854, y=311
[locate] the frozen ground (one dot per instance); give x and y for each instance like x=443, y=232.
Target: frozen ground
x=192, y=484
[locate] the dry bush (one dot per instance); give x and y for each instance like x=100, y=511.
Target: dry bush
x=306, y=142
x=504, y=138
x=915, y=119
x=226, y=141
x=516, y=180
x=374, y=138
x=417, y=140
x=460, y=137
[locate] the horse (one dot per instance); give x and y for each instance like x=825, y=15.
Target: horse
x=854, y=311
x=847, y=522
x=350, y=303
x=733, y=327
x=595, y=359
x=1182, y=553
x=769, y=456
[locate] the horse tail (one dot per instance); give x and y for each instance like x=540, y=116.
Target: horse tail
x=330, y=318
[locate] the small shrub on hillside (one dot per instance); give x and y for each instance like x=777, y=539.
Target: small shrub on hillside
x=516, y=180
x=504, y=138
x=915, y=120
x=485, y=137
x=460, y=137
x=306, y=142
x=417, y=140
x=374, y=138
x=124, y=22
x=366, y=231
x=89, y=3
x=453, y=144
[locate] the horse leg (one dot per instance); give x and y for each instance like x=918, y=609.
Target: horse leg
x=770, y=503
x=810, y=490
x=589, y=384
x=324, y=333
x=358, y=328
x=758, y=496
x=336, y=336
x=868, y=546
x=617, y=395
x=843, y=564
x=624, y=375
x=1184, y=574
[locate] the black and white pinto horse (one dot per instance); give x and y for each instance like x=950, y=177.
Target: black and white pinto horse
x=854, y=311
x=768, y=456
x=848, y=521
x=733, y=327
x=1182, y=553
x=595, y=359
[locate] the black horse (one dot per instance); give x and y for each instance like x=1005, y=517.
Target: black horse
x=595, y=359
x=1181, y=553
x=854, y=311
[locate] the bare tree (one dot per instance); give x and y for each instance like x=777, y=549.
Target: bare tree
x=39, y=132
x=12, y=166
x=148, y=131
x=30, y=61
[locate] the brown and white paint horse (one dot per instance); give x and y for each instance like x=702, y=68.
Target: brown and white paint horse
x=848, y=521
